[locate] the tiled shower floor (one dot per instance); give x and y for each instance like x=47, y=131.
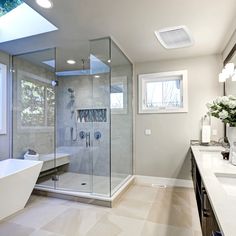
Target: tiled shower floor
x=84, y=183
x=141, y=211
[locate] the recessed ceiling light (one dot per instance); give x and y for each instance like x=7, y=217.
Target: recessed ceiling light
x=109, y=60
x=96, y=76
x=71, y=62
x=44, y=3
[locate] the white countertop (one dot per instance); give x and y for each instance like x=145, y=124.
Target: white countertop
x=224, y=205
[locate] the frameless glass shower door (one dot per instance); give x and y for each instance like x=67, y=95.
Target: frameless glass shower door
x=74, y=133
x=83, y=120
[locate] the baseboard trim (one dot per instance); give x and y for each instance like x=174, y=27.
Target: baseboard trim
x=159, y=181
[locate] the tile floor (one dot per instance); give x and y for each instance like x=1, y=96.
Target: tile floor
x=142, y=211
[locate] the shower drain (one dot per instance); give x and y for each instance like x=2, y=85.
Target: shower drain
x=83, y=183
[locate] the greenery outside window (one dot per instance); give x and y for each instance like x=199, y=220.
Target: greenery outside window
x=36, y=102
x=8, y=5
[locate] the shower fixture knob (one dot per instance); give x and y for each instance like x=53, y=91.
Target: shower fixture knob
x=54, y=83
x=82, y=134
x=97, y=135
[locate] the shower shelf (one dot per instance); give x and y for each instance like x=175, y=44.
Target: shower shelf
x=92, y=115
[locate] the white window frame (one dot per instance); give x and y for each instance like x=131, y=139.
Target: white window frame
x=3, y=94
x=144, y=78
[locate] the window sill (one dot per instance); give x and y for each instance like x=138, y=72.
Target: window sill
x=162, y=111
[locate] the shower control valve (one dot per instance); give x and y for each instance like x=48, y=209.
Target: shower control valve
x=97, y=135
x=82, y=134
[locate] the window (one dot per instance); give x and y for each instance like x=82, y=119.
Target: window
x=163, y=92
x=3, y=99
x=37, y=101
x=118, y=96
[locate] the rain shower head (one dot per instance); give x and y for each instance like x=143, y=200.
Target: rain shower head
x=70, y=90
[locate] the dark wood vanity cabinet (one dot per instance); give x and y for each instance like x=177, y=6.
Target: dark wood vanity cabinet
x=206, y=214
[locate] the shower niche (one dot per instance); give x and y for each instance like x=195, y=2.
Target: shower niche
x=76, y=120
x=92, y=115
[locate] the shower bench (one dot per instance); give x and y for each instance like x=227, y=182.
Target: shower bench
x=50, y=162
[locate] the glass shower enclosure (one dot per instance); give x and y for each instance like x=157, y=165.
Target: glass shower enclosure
x=76, y=118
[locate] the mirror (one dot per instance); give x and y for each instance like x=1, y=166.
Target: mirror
x=230, y=86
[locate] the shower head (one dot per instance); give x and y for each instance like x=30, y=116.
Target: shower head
x=70, y=90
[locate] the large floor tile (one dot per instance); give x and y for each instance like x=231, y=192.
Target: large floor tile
x=38, y=215
x=152, y=229
x=175, y=196
x=174, y=215
x=141, y=193
x=113, y=225
x=74, y=221
x=43, y=233
x=132, y=208
x=12, y=229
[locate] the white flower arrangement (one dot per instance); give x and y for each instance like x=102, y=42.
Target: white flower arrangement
x=224, y=108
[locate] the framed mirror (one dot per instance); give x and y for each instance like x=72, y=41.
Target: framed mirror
x=229, y=85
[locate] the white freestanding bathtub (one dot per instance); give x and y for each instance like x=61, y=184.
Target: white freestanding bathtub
x=17, y=180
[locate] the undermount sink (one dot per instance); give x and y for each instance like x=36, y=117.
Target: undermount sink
x=228, y=182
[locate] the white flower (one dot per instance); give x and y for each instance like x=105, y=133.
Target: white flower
x=232, y=104
x=225, y=100
x=218, y=100
x=223, y=114
x=209, y=105
x=232, y=97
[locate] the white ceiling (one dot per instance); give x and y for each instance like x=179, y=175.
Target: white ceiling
x=131, y=23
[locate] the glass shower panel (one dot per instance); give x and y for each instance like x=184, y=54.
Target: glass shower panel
x=100, y=74
x=74, y=132
x=121, y=118
x=74, y=123
x=34, y=110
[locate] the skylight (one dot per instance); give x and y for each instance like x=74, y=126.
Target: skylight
x=22, y=21
x=50, y=63
x=96, y=67
x=8, y=5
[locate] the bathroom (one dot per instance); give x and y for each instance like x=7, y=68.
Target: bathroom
x=79, y=101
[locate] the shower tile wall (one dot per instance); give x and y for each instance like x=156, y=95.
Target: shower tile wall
x=42, y=141
x=90, y=93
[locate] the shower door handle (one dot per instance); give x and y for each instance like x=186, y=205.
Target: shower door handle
x=87, y=139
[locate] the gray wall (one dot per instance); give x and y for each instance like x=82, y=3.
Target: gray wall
x=89, y=93
x=166, y=152
x=5, y=138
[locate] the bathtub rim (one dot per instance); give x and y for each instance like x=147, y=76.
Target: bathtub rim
x=29, y=162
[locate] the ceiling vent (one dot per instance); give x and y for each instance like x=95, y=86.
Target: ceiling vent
x=175, y=37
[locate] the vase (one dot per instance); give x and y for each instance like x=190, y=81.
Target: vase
x=231, y=135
